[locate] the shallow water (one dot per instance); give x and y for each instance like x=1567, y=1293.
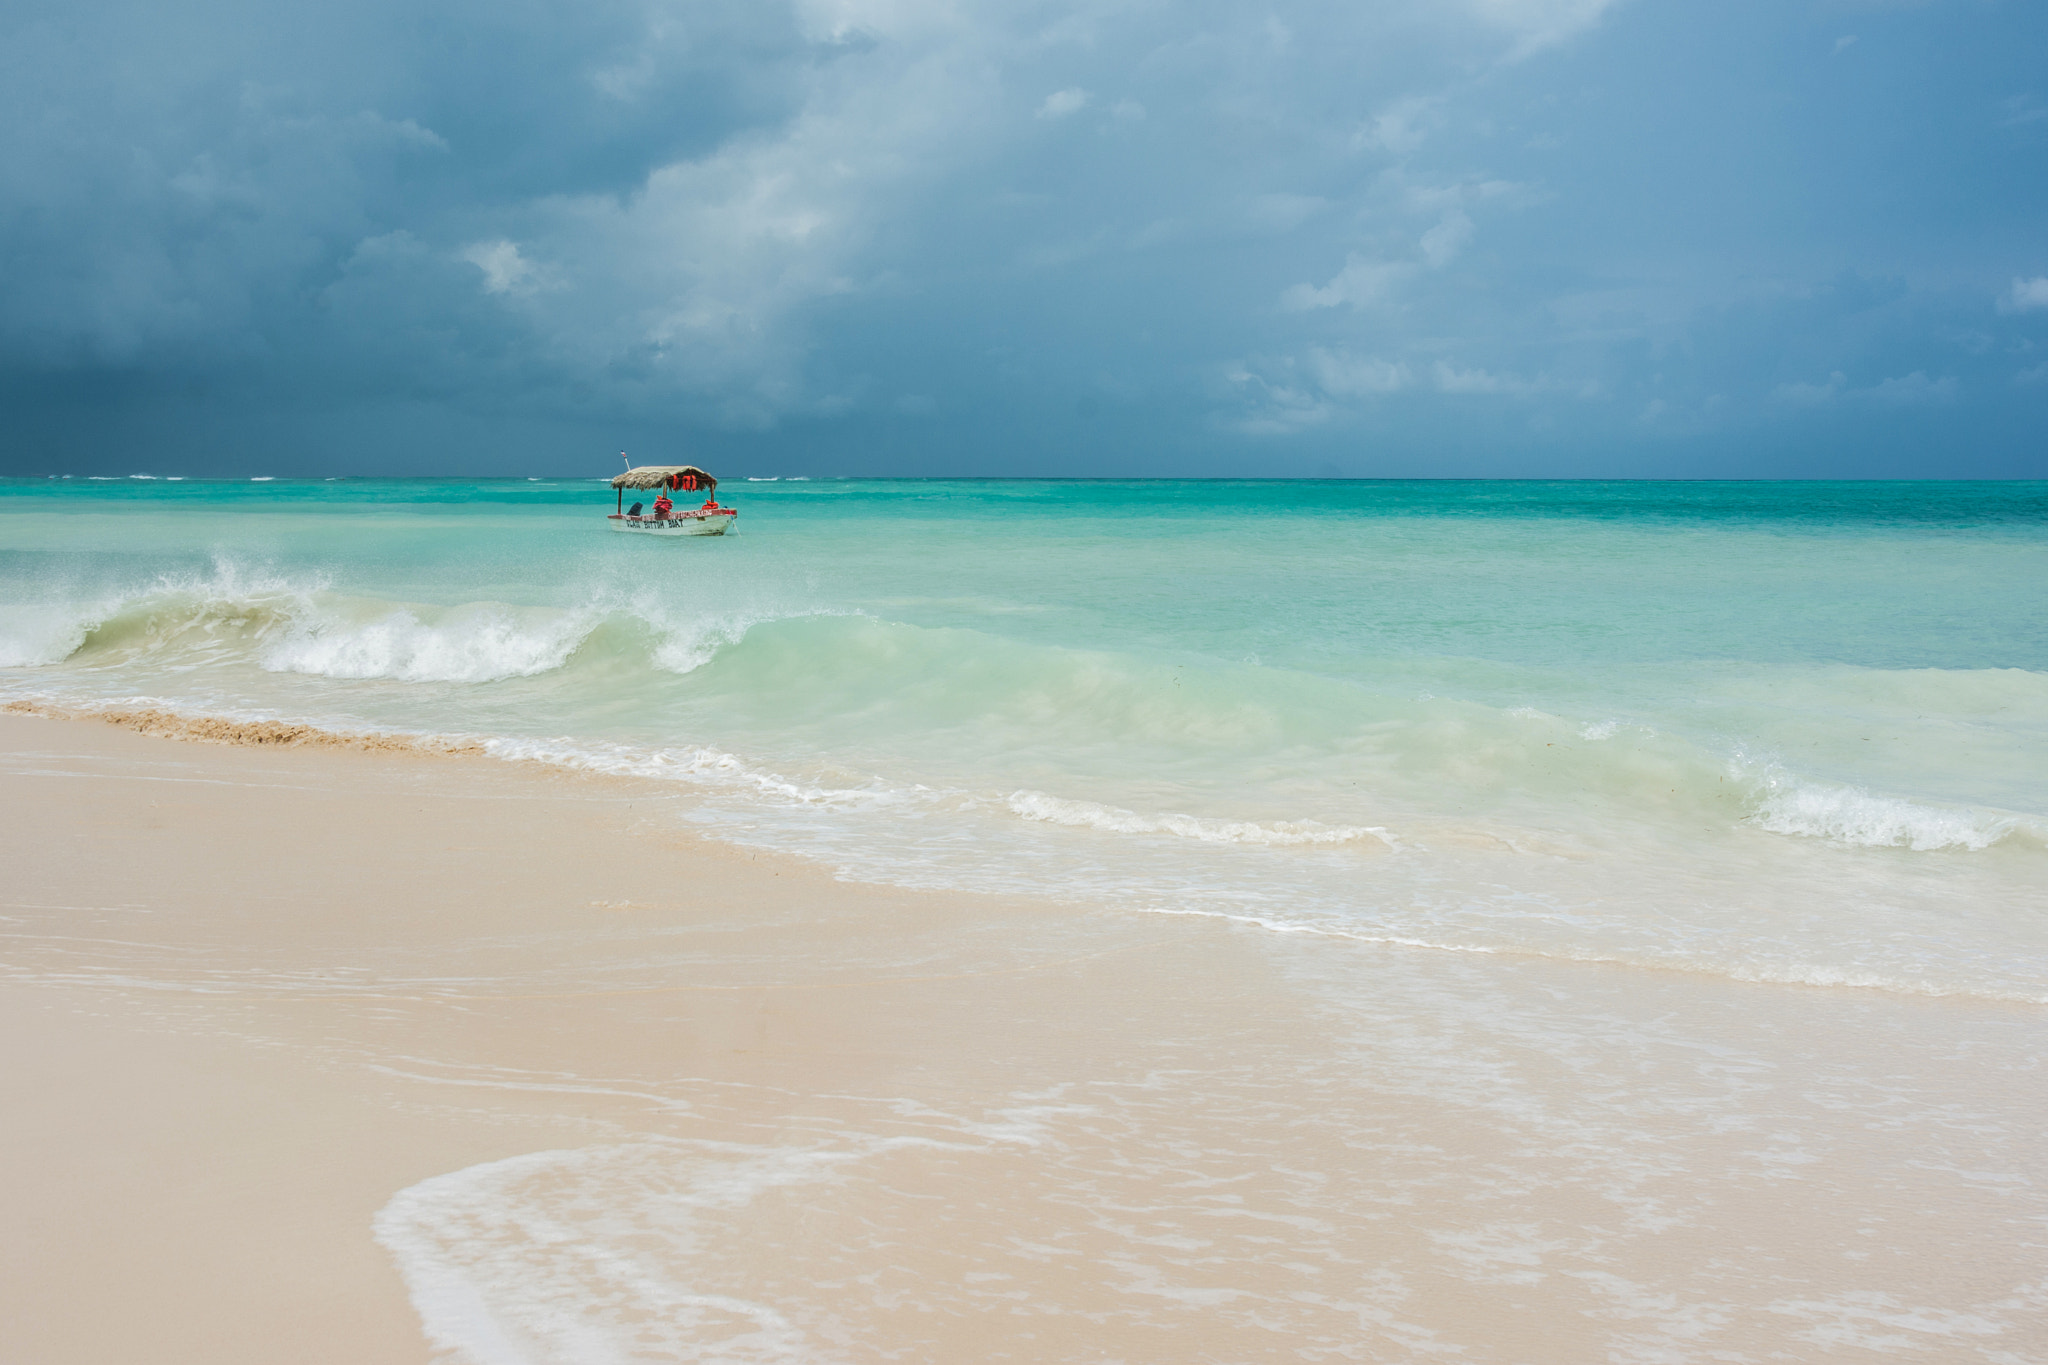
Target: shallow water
x=1533, y=1164
x=1779, y=732
x=1429, y=747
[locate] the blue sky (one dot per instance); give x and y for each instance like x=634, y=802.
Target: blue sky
x=1423, y=237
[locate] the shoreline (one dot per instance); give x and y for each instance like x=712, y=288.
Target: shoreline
x=202, y=727
x=269, y=1001
x=107, y=1077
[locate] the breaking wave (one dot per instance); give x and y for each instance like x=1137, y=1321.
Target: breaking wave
x=302, y=626
x=36, y=635
x=969, y=711
x=1849, y=815
x=482, y=643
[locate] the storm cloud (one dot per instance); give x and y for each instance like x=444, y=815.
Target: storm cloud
x=1501, y=236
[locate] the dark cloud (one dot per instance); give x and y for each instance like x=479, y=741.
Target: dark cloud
x=1567, y=236
x=184, y=184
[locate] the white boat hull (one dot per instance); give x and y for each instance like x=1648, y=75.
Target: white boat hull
x=691, y=523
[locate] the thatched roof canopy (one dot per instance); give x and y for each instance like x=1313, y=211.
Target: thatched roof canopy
x=655, y=475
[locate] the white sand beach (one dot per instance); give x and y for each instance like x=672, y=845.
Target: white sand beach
x=305, y=1042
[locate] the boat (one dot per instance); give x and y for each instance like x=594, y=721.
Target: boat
x=708, y=520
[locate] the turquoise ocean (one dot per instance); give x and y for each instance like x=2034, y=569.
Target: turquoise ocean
x=1772, y=732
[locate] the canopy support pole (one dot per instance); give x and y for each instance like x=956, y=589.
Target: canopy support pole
x=622, y=502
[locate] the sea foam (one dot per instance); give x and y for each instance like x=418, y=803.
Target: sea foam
x=580, y=1255
x=481, y=643
x=1092, y=815
x=1850, y=815
x=35, y=635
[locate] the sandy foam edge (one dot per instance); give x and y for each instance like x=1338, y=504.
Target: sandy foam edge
x=203, y=729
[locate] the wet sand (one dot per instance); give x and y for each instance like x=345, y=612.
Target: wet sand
x=264, y=1006
x=217, y=955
